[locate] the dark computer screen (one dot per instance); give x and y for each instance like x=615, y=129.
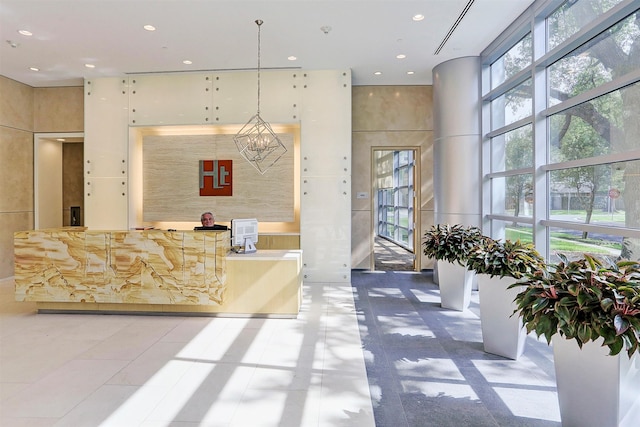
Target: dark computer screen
x=215, y=227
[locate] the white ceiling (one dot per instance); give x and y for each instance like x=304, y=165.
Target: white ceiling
x=365, y=36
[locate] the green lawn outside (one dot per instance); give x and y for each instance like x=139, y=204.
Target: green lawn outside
x=562, y=242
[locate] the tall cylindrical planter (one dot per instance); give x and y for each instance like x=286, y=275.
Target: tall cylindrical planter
x=595, y=389
x=502, y=333
x=455, y=283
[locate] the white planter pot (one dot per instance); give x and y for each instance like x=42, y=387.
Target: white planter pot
x=455, y=283
x=595, y=389
x=502, y=333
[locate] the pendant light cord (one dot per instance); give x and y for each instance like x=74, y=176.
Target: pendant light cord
x=259, y=23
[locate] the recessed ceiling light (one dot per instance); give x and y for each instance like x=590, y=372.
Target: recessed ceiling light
x=418, y=17
x=25, y=32
x=149, y=27
x=60, y=139
x=292, y=58
x=187, y=62
x=378, y=73
x=410, y=72
x=401, y=56
x=89, y=65
x=34, y=68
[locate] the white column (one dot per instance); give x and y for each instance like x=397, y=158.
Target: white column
x=457, y=153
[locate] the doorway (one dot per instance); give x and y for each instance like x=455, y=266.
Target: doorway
x=395, y=213
x=58, y=179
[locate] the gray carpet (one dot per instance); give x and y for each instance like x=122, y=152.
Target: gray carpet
x=426, y=365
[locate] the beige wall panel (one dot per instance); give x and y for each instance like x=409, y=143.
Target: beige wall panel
x=388, y=117
x=171, y=180
x=278, y=241
x=361, y=240
x=59, y=109
x=16, y=104
x=106, y=203
x=11, y=222
x=48, y=183
x=235, y=96
x=16, y=172
x=380, y=108
x=170, y=99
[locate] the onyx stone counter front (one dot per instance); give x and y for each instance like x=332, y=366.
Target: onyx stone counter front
x=139, y=267
x=153, y=271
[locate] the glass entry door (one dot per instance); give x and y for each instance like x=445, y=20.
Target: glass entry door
x=395, y=196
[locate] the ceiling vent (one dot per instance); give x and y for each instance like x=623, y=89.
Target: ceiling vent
x=454, y=26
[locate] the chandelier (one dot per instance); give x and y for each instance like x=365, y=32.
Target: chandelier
x=256, y=141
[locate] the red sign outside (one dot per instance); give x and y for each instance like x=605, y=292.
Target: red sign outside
x=614, y=193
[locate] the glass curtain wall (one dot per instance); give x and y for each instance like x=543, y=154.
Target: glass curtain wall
x=561, y=126
x=395, y=196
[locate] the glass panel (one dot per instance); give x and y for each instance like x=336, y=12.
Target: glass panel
x=513, y=231
x=589, y=66
x=403, y=157
x=573, y=244
x=516, y=192
x=515, y=60
x=403, y=197
x=403, y=237
x=608, y=124
x=512, y=150
x=403, y=217
x=390, y=210
x=572, y=16
x=514, y=105
x=389, y=230
x=403, y=177
x=596, y=194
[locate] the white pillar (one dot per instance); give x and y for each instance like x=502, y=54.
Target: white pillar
x=457, y=146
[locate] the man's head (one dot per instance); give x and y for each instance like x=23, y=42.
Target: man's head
x=207, y=219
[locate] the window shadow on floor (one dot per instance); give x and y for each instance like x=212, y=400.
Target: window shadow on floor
x=392, y=257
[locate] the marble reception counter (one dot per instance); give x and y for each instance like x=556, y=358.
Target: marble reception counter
x=77, y=270
x=137, y=267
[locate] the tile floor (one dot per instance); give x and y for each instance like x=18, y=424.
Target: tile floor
x=81, y=370
x=379, y=351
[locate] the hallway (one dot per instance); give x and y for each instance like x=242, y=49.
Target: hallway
x=391, y=257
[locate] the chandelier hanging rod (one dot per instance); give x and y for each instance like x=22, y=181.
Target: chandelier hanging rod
x=259, y=23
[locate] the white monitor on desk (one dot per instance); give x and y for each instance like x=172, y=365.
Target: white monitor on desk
x=244, y=234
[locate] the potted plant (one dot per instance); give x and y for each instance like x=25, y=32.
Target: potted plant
x=590, y=310
x=450, y=245
x=498, y=265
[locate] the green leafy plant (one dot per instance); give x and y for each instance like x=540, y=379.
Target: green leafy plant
x=511, y=259
x=584, y=300
x=451, y=243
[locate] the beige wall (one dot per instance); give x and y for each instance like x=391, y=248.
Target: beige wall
x=23, y=111
x=388, y=117
x=383, y=117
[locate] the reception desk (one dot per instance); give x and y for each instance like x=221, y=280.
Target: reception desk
x=153, y=271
